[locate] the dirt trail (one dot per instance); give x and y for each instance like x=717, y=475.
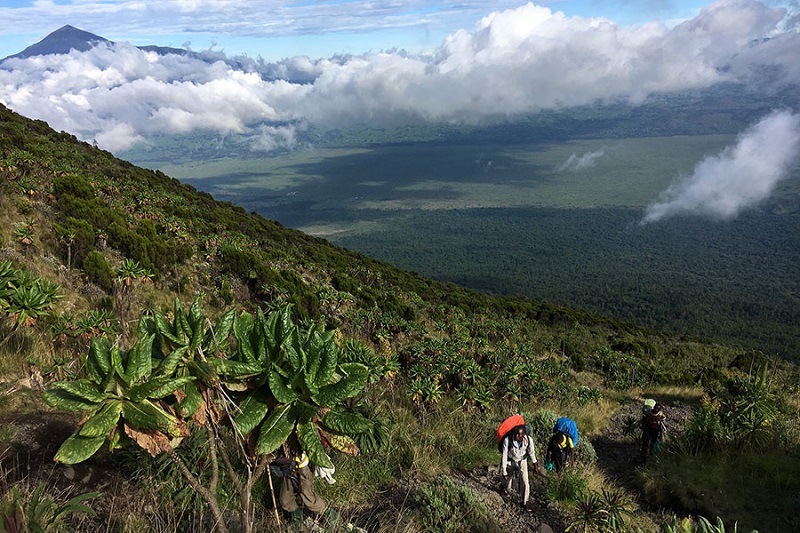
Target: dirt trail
x=617, y=455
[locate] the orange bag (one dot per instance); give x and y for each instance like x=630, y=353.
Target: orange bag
x=508, y=424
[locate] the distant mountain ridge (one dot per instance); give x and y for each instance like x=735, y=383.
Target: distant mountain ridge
x=68, y=38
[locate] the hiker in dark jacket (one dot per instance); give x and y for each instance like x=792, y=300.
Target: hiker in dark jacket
x=517, y=447
x=653, y=427
x=560, y=451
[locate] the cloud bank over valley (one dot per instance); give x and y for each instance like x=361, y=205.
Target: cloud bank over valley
x=741, y=176
x=512, y=62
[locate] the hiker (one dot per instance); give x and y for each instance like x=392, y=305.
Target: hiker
x=297, y=493
x=517, y=447
x=653, y=427
x=560, y=451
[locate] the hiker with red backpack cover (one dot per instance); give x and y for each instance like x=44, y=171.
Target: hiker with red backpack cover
x=516, y=446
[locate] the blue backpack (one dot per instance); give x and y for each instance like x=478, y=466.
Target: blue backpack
x=568, y=427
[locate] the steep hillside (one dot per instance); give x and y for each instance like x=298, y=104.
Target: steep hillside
x=93, y=247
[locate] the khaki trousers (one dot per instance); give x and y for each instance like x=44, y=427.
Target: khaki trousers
x=297, y=491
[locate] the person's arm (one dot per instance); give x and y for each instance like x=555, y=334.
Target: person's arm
x=531, y=450
x=504, y=459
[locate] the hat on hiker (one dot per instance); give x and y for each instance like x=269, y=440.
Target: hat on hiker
x=649, y=403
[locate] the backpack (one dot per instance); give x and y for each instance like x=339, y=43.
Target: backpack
x=507, y=426
x=654, y=421
x=568, y=427
x=281, y=467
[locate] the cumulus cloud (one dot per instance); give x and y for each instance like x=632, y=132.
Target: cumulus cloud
x=576, y=163
x=741, y=176
x=514, y=61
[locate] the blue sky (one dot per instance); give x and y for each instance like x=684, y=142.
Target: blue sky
x=277, y=29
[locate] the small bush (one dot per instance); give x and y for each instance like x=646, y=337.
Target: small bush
x=99, y=271
x=567, y=486
x=447, y=507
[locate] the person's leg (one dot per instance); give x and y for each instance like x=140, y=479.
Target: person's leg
x=645, y=444
x=287, y=495
x=308, y=497
x=287, y=499
x=525, y=484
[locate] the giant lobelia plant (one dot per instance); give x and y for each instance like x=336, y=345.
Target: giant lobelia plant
x=257, y=379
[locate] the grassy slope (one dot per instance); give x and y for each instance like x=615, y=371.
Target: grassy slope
x=196, y=245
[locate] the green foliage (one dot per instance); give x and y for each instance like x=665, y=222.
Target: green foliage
x=569, y=485
x=39, y=512
x=77, y=238
x=120, y=396
x=700, y=525
x=741, y=412
x=99, y=270
x=449, y=508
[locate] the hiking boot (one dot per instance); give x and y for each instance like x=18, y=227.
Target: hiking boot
x=330, y=515
x=528, y=507
x=296, y=519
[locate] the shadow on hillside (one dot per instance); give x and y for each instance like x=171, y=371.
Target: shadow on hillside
x=619, y=461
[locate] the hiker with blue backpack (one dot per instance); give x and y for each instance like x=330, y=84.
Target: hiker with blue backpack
x=516, y=447
x=561, y=447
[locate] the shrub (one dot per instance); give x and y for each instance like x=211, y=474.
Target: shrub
x=447, y=507
x=566, y=486
x=98, y=270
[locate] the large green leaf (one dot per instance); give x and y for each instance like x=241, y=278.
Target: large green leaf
x=293, y=351
x=242, y=330
x=98, y=362
x=157, y=388
x=82, y=388
x=66, y=401
x=164, y=327
x=275, y=429
x=116, y=364
x=197, y=329
x=103, y=421
x=309, y=439
x=313, y=350
x=329, y=361
x=147, y=415
x=182, y=328
x=345, y=422
x=251, y=412
x=193, y=400
x=204, y=372
x=218, y=335
x=168, y=365
x=140, y=359
x=237, y=369
x=279, y=388
x=77, y=449
x=351, y=384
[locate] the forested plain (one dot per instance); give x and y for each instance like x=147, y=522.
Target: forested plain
x=499, y=208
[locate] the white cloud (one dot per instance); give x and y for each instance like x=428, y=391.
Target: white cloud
x=740, y=177
x=270, y=138
x=515, y=61
x=576, y=163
